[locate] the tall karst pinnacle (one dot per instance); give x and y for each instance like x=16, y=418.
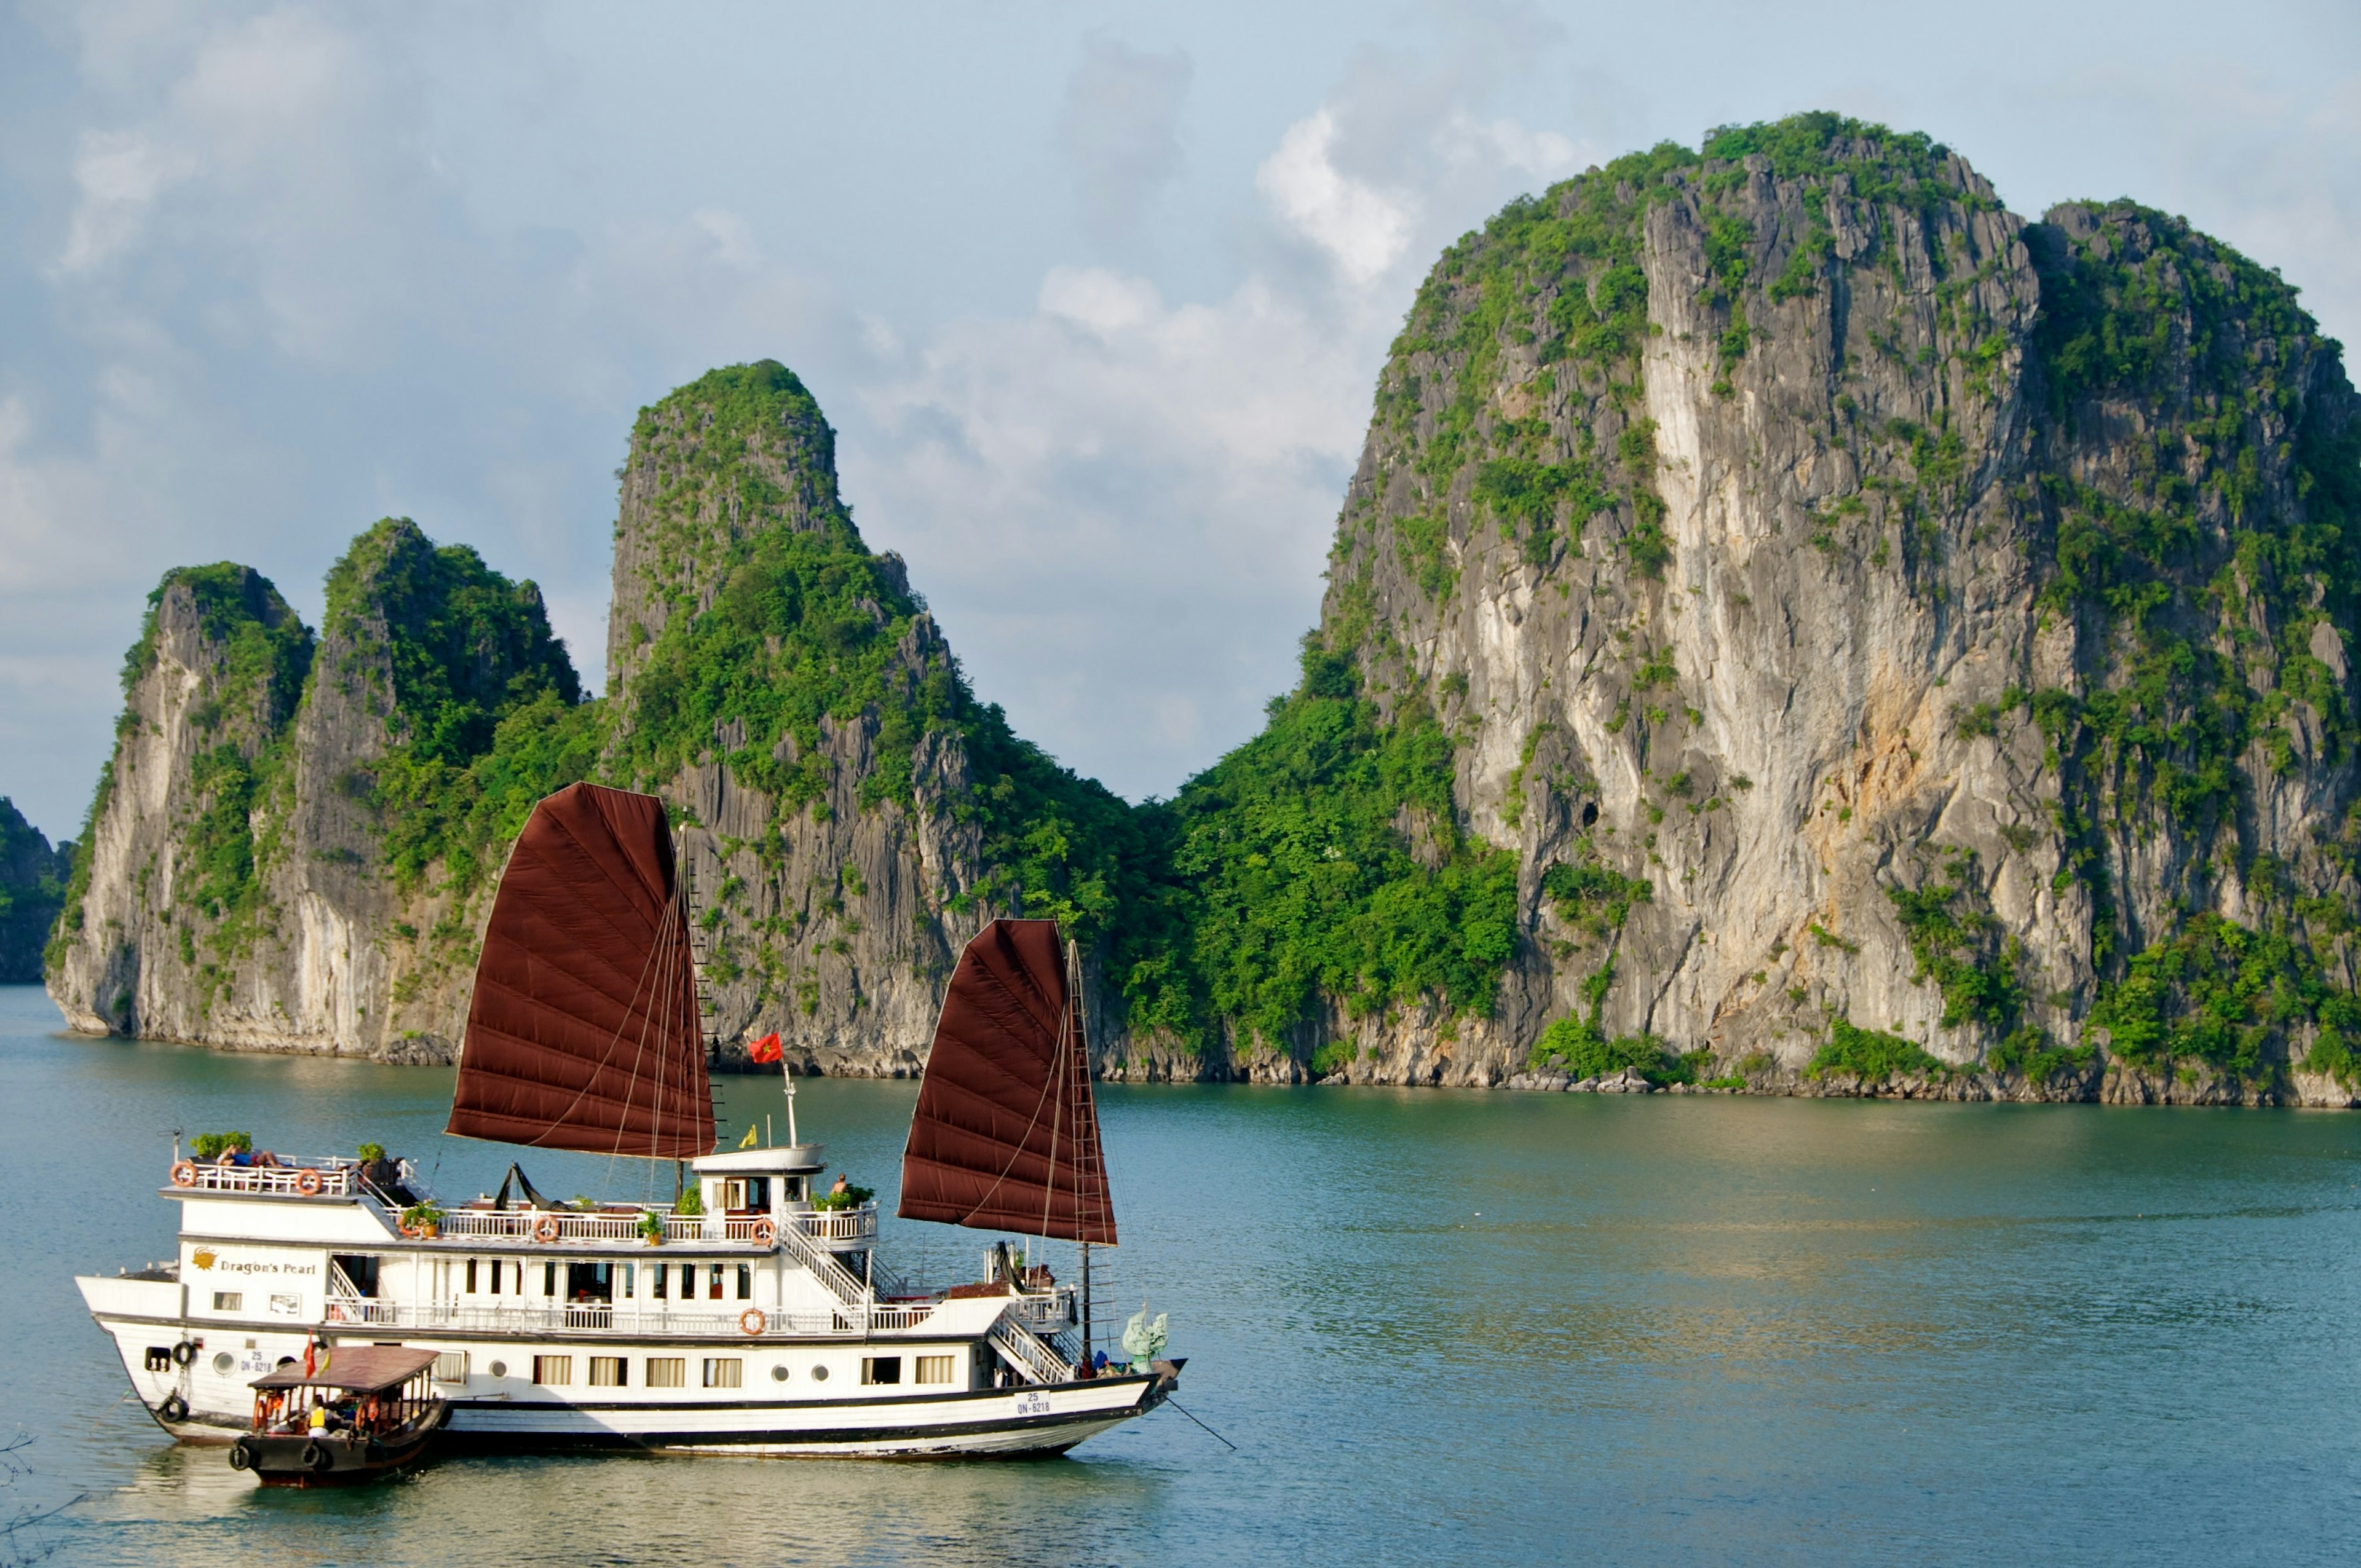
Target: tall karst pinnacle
x=1899, y=641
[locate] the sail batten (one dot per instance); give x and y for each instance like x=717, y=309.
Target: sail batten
x=1005, y=1136
x=583, y=1031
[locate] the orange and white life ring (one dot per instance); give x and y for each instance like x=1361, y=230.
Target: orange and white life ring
x=545, y=1228
x=751, y=1323
x=184, y=1174
x=763, y=1233
x=307, y=1182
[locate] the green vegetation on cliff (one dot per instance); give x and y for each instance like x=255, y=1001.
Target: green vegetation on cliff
x=33, y=880
x=487, y=714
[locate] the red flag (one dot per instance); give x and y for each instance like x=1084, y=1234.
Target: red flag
x=766, y=1050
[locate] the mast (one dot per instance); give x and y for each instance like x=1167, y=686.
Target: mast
x=1075, y=1042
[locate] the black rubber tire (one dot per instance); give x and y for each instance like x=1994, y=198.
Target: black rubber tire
x=241, y=1454
x=173, y=1408
x=184, y=1353
x=317, y=1456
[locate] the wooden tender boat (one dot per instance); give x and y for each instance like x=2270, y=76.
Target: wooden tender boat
x=362, y=1413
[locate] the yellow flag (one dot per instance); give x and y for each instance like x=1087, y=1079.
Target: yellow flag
x=748, y=1141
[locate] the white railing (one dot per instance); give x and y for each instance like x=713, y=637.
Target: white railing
x=839, y=1229
x=634, y=1321
x=1051, y=1312
x=1027, y=1353
x=289, y=1177
x=361, y=1310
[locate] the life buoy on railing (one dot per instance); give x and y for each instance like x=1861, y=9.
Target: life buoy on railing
x=751, y=1323
x=307, y=1182
x=184, y=1173
x=763, y=1231
x=545, y=1228
x=173, y=1408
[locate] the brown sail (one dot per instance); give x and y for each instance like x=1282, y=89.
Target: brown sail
x=1006, y=1133
x=583, y=1033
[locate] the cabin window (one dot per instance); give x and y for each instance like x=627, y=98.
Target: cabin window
x=934, y=1369
x=471, y=1277
x=496, y=1276
x=605, y=1372
x=724, y=1372
x=553, y=1371
x=658, y=1276
x=667, y=1372
x=758, y=1192
x=229, y=1301
x=549, y=1279
x=688, y=1282
x=881, y=1369
x=714, y=1289
x=791, y=1188
x=631, y=1276
x=451, y=1366
x=734, y=1195
x=745, y=1281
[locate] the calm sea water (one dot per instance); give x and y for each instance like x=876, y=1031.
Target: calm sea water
x=1439, y=1326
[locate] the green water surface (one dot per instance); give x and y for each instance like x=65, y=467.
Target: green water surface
x=1440, y=1326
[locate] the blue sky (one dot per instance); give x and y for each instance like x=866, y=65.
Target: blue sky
x=1095, y=294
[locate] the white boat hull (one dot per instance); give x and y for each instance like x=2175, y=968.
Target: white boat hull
x=1010, y=1422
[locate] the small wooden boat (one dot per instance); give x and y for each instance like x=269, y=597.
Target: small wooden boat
x=363, y=1412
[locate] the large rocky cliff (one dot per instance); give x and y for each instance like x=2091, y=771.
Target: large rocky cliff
x=1796, y=627
x=287, y=851
x=1905, y=646
x=32, y=888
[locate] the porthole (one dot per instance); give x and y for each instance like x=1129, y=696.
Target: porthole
x=819, y=1373
x=779, y=1373
x=498, y=1369
x=225, y=1361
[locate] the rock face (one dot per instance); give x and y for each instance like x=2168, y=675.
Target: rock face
x=1904, y=644
x=242, y=884
x=32, y=887
x=835, y=876
x=1796, y=628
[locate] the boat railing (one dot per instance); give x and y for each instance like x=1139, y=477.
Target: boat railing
x=1039, y=1362
x=1046, y=1313
x=362, y=1310
x=741, y=1322
x=836, y=1230
x=289, y=1178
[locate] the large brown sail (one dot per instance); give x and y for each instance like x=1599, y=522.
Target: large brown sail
x=583, y=1033
x=1006, y=1133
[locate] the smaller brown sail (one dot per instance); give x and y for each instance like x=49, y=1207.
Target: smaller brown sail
x=1006, y=1133
x=583, y=1033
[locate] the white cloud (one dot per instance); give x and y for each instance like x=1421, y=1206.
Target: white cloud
x=119, y=174
x=1364, y=230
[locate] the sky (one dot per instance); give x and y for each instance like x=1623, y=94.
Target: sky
x=1095, y=295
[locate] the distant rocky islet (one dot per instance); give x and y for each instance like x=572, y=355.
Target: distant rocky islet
x=1796, y=627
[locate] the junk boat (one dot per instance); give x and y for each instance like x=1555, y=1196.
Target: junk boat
x=364, y=1412
x=752, y=1315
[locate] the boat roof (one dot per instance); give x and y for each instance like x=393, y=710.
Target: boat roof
x=356, y=1368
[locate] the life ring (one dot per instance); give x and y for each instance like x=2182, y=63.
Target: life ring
x=184, y=1353
x=241, y=1454
x=408, y=1228
x=317, y=1456
x=173, y=1408
x=545, y=1228
x=184, y=1173
x=751, y=1323
x=764, y=1233
x=307, y=1182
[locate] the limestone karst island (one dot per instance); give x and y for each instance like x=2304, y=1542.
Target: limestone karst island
x=1797, y=627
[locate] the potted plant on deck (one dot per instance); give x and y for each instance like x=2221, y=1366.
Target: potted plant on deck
x=650, y=1227
x=422, y=1219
